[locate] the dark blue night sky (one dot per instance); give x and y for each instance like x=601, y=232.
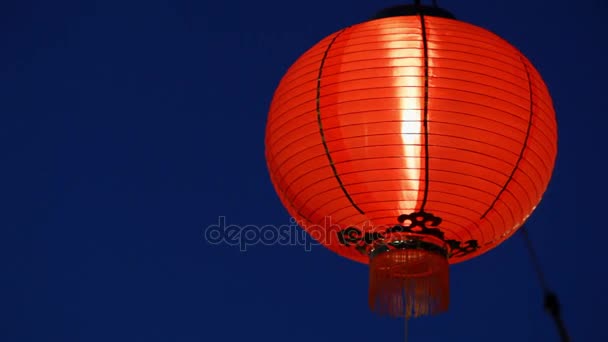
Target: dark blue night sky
x=127, y=128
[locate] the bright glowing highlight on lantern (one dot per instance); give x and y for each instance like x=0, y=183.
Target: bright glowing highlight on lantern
x=408, y=87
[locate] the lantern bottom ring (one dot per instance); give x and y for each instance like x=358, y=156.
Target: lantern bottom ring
x=408, y=243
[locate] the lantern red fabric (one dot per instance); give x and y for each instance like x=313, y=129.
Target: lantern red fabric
x=411, y=115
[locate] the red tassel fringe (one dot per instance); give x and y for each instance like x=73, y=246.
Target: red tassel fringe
x=409, y=283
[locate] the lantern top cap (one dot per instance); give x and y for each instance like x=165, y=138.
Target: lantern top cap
x=415, y=9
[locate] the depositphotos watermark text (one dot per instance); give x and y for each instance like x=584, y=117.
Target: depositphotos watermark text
x=245, y=236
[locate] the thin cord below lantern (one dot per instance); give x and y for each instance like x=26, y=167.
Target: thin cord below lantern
x=406, y=312
x=551, y=300
x=405, y=329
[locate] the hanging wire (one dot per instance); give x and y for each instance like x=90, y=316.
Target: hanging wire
x=534, y=260
x=418, y=3
x=551, y=301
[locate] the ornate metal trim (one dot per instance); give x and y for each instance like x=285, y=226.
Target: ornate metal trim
x=408, y=244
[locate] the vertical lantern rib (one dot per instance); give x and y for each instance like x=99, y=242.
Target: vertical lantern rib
x=426, y=112
x=319, y=121
x=525, y=144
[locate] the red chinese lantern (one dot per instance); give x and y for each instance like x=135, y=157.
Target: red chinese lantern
x=410, y=142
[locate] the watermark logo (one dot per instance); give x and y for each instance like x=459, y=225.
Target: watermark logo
x=246, y=236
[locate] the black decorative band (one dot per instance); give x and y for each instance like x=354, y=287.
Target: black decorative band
x=459, y=249
x=416, y=225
